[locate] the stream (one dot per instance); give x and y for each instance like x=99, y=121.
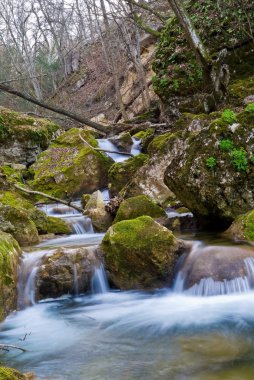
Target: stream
x=112, y=335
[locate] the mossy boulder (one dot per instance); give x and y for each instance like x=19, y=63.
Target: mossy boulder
x=84, y=199
x=23, y=137
x=123, y=141
x=66, y=271
x=132, y=208
x=29, y=219
x=121, y=173
x=243, y=227
x=11, y=374
x=140, y=253
x=9, y=258
x=70, y=168
x=95, y=210
x=211, y=170
x=145, y=137
x=18, y=223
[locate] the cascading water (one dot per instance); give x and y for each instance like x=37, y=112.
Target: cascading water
x=118, y=157
x=216, y=270
x=99, y=281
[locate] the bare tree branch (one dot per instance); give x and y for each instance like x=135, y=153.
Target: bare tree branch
x=104, y=150
x=70, y=204
x=7, y=347
x=61, y=111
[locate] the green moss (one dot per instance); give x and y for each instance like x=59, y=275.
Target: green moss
x=8, y=245
x=26, y=128
x=139, y=252
x=243, y=227
x=57, y=226
x=121, y=173
x=228, y=116
x=10, y=374
x=69, y=166
x=242, y=88
x=159, y=143
x=132, y=208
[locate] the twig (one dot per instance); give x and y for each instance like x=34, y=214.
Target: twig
x=7, y=347
x=50, y=197
x=104, y=150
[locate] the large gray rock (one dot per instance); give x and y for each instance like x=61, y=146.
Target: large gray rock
x=66, y=271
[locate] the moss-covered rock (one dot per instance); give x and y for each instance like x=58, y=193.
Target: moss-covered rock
x=140, y=253
x=179, y=76
x=123, y=141
x=121, y=173
x=84, y=199
x=69, y=167
x=66, y=271
x=132, y=208
x=243, y=227
x=22, y=137
x=211, y=170
x=95, y=210
x=18, y=223
x=31, y=216
x=145, y=137
x=9, y=257
x=10, y=374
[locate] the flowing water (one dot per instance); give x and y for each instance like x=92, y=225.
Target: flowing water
x=185, y=332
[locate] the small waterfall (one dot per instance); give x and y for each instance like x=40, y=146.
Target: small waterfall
x=75, y=280
x=27, y=276
x=118, y=157
x=216, y=271
x=99, y=283
x=81, y=225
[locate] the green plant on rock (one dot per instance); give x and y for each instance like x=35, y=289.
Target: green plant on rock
x=226, y=145
x=250, y=108
x=228, y=116
x=211, y=162
x=239, y=159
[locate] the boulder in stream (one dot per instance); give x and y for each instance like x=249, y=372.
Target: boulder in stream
x=9, y=258
x=70, y=168
x=66, y=271
x=214, y=270
x=140, y=253
x=134, y=207
x=95, y=210
x=243, y=227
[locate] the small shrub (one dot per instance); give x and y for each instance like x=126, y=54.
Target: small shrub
x=228, y=116
x=250, y=108
x=211, y=162
x=226, y=145
x=239, y=159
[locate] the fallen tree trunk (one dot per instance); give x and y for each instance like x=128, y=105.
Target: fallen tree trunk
x=105, y=150
x=61, y=111
x=33, y=192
